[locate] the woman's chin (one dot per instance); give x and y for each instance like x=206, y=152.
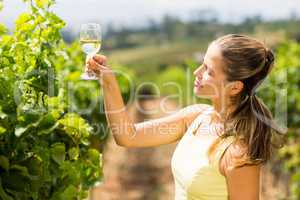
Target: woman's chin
x=197, y=91
x=200, y=92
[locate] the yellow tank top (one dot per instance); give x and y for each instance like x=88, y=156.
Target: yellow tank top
x=195, y=177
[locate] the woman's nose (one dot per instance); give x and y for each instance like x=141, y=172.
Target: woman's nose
x=197, y=72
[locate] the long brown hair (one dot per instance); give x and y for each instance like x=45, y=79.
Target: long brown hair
x=250, y=61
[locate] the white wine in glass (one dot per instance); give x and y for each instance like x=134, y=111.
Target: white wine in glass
x=90, y=41
x=90, y=47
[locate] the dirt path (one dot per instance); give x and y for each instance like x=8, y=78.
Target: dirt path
x=145, y=173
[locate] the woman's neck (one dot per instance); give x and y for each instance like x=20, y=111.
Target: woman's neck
x=221, y=110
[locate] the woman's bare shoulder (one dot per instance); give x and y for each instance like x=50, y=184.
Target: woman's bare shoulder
x=190, y=112
x=236, y=157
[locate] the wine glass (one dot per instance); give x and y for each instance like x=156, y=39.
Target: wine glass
x=90, y=42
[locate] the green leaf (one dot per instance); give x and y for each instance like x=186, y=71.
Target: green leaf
x=22, y=169
x=73, y=153
x=2, y=130
x=2, y=115
x=69, y=170
x=20, y=130
x=42, y=3
x=3, y=29
x=49, y=130
x=22, y=19
x=4, y=162
x=75, y=126
x=3, y=194
x=94, y=156
x=70, y=193
x=58, y=152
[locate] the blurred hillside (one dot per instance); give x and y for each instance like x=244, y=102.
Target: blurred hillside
x=172, y=41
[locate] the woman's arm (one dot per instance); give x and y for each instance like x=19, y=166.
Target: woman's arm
x=242, y=182
x=164, y=130
x=155, y=132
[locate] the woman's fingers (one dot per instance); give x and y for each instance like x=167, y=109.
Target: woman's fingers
x=93, y=66
x=100, y=59
x=97, y=65
x=87, y=69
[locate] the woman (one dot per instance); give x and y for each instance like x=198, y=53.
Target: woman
x=222, y=147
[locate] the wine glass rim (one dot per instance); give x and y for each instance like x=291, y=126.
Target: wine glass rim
x=91, y=25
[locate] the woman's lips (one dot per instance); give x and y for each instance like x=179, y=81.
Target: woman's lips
x=197, y=83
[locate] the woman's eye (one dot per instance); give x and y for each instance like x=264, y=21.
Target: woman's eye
x=206, y=69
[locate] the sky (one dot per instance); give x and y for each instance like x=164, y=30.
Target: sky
x=137, y=12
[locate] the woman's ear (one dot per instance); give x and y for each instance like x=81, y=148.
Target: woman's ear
x=236, y=87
